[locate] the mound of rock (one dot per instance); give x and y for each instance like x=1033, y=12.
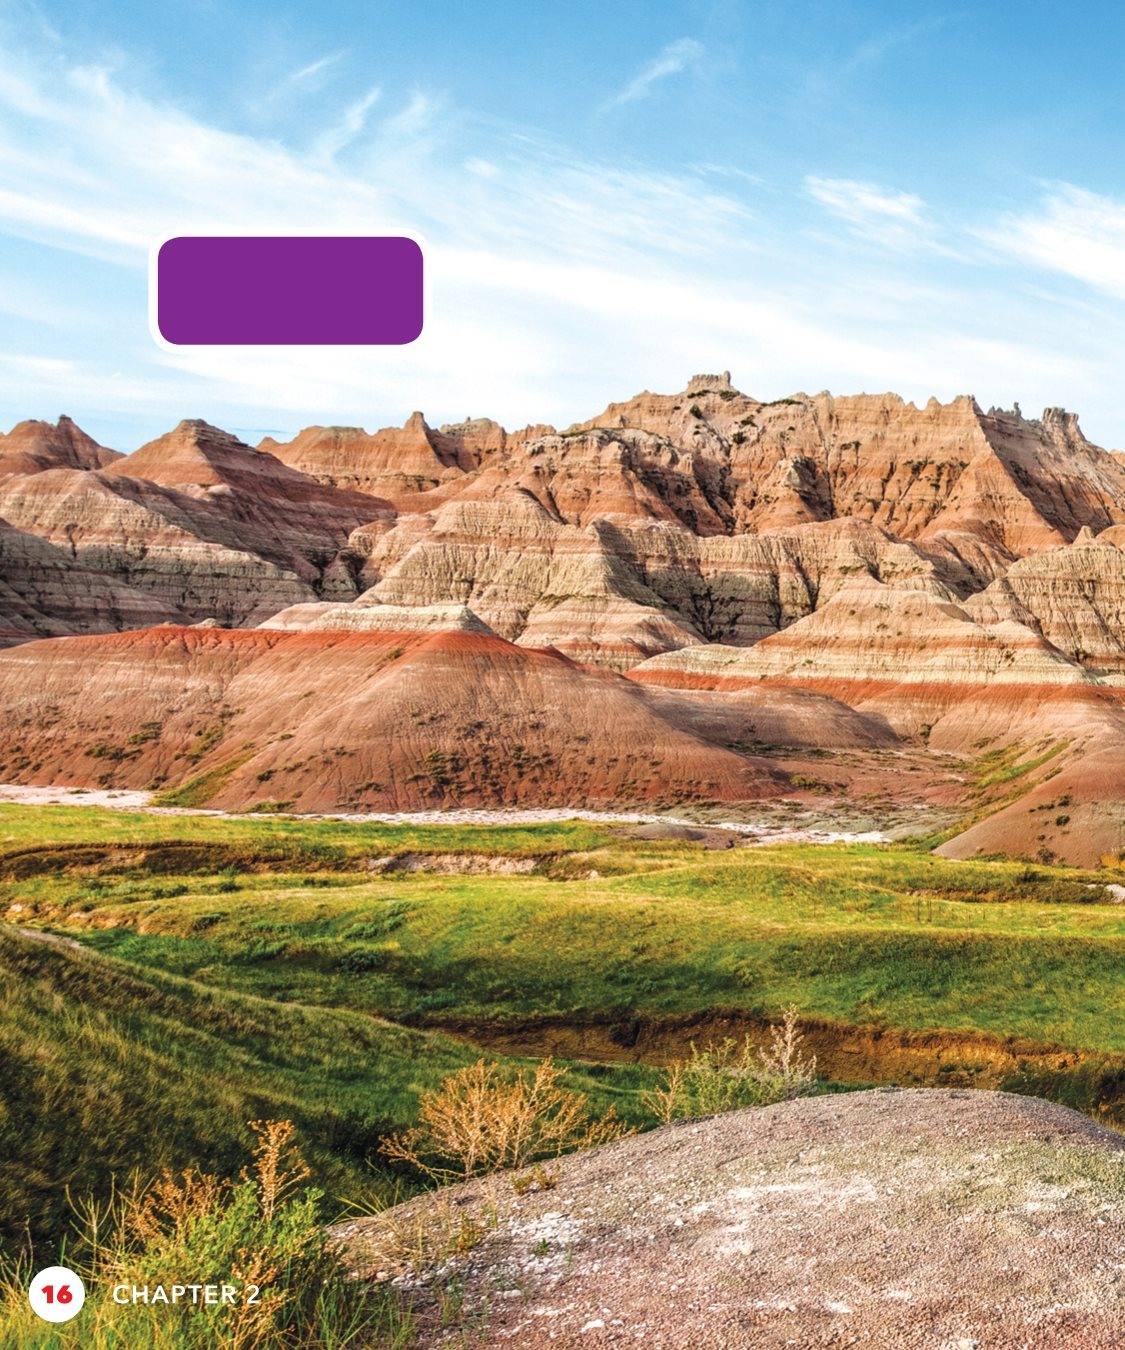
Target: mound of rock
x=921, y=1220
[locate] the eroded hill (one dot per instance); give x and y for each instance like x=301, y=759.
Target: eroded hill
x=629, y=610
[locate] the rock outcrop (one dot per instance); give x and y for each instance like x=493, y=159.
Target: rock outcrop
x=912, y=1219
x=845, y=573
x=1074, y=597
x=207, y=526
x=46, y=592
x=364, y=616
x=31, y=447
x=912, y=654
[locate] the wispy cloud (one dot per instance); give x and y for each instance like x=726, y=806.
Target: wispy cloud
x=883, y=215
x=558, y=284
x=837, y=77
x=863, y=202
x=872, y=50
x=314, y=68
x=332, y=140
x=672, y=60
x=1074, y=232
x=417, y=117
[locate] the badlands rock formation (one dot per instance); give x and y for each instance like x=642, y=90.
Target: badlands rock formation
x=203, y=525
x=839, y=573
x=917, y=1219
x=330, y=719
x=32, y=447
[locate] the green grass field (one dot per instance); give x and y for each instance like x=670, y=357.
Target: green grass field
x=232, y=969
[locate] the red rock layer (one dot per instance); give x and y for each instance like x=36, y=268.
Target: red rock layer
x=31, y=447
x=328, y=720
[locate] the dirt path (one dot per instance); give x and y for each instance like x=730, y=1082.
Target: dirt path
x=51, y=939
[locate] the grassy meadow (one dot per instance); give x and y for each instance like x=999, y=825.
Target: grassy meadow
x=891, y=936
x=166, y=980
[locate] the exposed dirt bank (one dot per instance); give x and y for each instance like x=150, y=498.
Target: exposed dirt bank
x=845, y=1054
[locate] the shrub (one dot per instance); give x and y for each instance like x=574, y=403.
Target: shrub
x=358, y=961
x=149, y=731
x=804, y=783
x=733, y=1074
x=478, y=1121
x=262, y=1229
x=270, y=807
x=106, y=750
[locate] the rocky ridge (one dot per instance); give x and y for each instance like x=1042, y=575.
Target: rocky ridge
x=938, y=575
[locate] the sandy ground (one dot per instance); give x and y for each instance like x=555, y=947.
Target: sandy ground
x=924, y=1219
x=759, y=831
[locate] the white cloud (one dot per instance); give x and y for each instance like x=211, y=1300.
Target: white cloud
x=314, y=68
x=1074, y=232
x=876, y=213
x=871, y=51
x=416, y=117
x=861, y=202
x=330, y=142
x=672, y=60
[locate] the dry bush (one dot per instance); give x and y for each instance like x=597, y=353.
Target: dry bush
x=784, y=1070
x=262, y=1229
x=479, y=1121
x=278, y=1170
x=665, y=1102
x=732, y=1074
x=171, y=1204
x=188, y=1226
x=259, y=1231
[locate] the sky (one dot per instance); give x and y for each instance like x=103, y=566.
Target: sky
x=860, y=197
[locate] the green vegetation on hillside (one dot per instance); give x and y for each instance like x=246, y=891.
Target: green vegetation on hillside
x=859, y=934
x=109, y=1069
x=166, y=980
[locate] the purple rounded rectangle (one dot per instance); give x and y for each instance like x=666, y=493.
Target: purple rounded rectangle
x=283, y=290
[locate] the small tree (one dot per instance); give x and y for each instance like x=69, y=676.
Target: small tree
x=479, y=1121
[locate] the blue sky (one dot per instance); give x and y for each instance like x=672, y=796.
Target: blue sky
x=852, y=196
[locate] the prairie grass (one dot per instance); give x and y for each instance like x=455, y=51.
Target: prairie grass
x=259, y=1233
x=855, y=934
x=109, y=1069
x=223, y=970
x=729, y=1074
